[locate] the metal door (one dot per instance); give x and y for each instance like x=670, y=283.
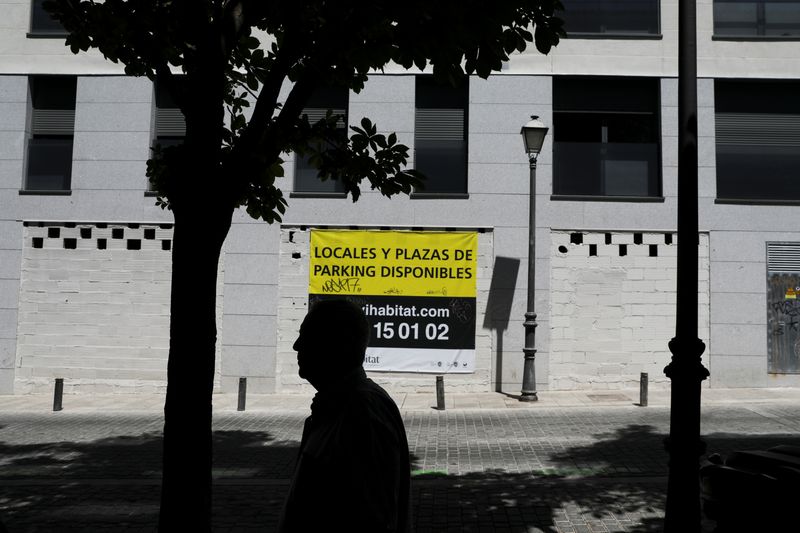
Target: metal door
x=783, y=308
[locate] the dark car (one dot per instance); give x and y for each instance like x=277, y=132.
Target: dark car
x=753, y=490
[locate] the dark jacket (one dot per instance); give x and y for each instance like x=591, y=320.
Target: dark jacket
x=353, y=471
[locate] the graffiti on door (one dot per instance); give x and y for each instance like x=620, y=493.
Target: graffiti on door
x=783, y=323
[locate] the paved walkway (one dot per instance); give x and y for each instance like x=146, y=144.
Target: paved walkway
x=570, y=463
x=406, y=401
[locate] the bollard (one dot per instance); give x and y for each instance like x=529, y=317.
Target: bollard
x=59, y=393
x=440, y=393
x=242, y=394
x=643, y=390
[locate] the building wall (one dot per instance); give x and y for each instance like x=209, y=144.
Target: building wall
x=613, y=307
x=498, y=192
x=739, y=303
x=95, y=314
x=111, y=145
x=249, y=324
x=108, y=185
x=648, y=56
x=114, y=128
x=13, y=109
x=738, y=259
x=95, y=311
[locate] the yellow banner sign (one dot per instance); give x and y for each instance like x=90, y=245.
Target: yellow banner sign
x=393, y=263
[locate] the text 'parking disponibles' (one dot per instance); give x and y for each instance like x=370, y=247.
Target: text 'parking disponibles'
x=407, y=263
x=351, y=270
x=417, y=290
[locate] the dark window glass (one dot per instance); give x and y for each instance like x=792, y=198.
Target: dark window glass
x=775, y=18
x=606, y=137
x=49, y=164
x=306, y=177
x=53, y=92
x=440, y=135
x=611, y=16
x=42, y=22
x=758, y=139
x=170, y=125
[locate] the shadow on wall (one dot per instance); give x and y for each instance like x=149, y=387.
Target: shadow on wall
x=498, y=308
x=615, y=483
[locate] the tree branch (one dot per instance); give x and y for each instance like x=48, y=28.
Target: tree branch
x=233, y=24
x=254, y=135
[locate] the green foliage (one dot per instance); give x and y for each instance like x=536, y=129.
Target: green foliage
x=237, y=54
x=370, y=156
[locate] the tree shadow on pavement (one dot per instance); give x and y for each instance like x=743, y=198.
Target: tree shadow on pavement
x=114, y=482
x=521, y=503
x=639, y=450
x=616, y=482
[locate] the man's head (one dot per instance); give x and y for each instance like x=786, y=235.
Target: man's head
x=332, y=342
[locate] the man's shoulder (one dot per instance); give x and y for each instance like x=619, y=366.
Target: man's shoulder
x=371, y=400
x=370, y=390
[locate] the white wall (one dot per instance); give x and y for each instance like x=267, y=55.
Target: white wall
x=97, y=318
x=13, y=109
x=611, y=315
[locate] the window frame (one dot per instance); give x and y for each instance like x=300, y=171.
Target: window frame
x=323, y=100
x=167, y=127
x=626, y=34
x=650, y=106
x=46, y=31
x=733, y=116
x=760, y=22
x=458, y=100
x=168, y=121
x=50, y=122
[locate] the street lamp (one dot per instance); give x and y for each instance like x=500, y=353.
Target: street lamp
x=682, y=512
x=533, y=134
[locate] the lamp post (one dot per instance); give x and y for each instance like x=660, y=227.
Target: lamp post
x=533, y=134
x=686, y=370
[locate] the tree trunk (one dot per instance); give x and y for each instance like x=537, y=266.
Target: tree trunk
x=200, y=230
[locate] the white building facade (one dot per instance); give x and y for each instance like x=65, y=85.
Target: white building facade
x=85, y=253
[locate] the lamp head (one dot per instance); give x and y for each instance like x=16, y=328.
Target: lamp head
x=533, y=134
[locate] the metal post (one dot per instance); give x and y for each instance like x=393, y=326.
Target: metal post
x=643, y=389
x=529, y=369
x=58, y=394
x=440, y=393
x=686, y=371
x=242, y=394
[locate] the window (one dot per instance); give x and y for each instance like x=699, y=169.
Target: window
x=758, y=139
x=611, y=17
x=324, y=99
x=440, y=135
x=49, y=165
x=41, y=21
x=170, y=125
x=748, y=19
x=606, y=137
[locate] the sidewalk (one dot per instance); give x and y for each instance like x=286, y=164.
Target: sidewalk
x=86, y=402
x=573, y=462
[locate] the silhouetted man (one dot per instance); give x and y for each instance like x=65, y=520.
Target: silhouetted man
x=353, y=471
